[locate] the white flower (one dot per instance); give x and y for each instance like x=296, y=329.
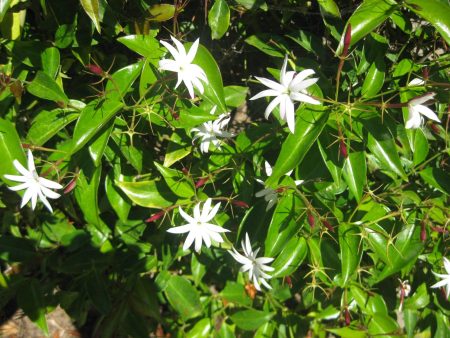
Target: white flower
x=445, y=278
x=256, y=267
x=271, y=195
x=36, y=187
x=416, y=109
x=189, y=73
x=209, y=131
x=199, y=227
x=292, y=87
x=416, y=82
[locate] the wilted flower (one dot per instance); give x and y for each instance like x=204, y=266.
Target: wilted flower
x=189, y=73
x=256, y=267
x=199, y=227
x=445, y=278
x=36, y=187
x=270, y=195
x=403, y=291
x=211, y=130
x=416, y=109
x=292, y=87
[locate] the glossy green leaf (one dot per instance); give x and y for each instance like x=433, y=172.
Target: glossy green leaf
x=92, y=9
x=382, y=324
x=120, y=204
x=273, y=49
x=437, y=178
x=377, y=239
x=308, y=126
x=347, y=332
x=183, y=297
x=290, y=258
x=92, y=119
x=44, y=87
x=145, y=45
x=162, y=12
x=97, y=291
x=419, y=299
x=122, y=80
x=176, y=150
x=149, y=194
x=98, y=144
x=355, y=173
x=48, y=123
x=176, y=181
x=235, y=95
x=374, y=80
x=251, y=319
x=11, y=149
x=201, y=329
x=350, y=249
x=284, y=224
x=219, y=19
x=15, y=249
x=31, y=300
x=4, y=6
x=435, y=12
x=421, y=147
x=214, y=90
x=329, y=8
x=235, y=293
x=50, y=59
x=367, y=17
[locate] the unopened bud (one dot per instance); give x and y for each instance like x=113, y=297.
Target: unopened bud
x=435, y=128
x=328, y=225
x=347, y=40
x=201, y=182
x=185, y=171
x=155, y=217
x=423, y=233
x=97, y=70
x=425, y=73
x=347, y=317
x=311, y=220
x=438, y=229
x=343, y=148
x=240, y=204
x=288, y=281
x=71, y=185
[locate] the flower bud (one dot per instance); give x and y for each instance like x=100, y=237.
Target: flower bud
x=328, y=225
x=95, y=69
x=347, y=317
x=201, y=182
x=343, y=148
x=423, y=232
x=347, y=40
x=435, y=128
x=288, y=281
x=240, y=204
x=71, y=185
x=311, y=220
x=155, y=217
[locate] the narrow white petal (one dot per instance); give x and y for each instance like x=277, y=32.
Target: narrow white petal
x=304, y=98
x=27, y=196
x=272, y=106
x=181, y=50
x=271, y=84
x=197, y=213
x=181, y=229
x=31, y=167
x=447, y=265
x=50, y=193
x=303, y=85
x=169, y=65
x=16, y=178
x=440, y=283
x=22, y=186
x=283, y=70
x=266, y=93
x=206, y=209
x=192, y=51
x=421, y=99
x=171, y=49
x=189, y=240
x=186, y=216
x=297, y=81
x=189, y=87
x=427, y=112
x=206, y=239
x=290, y=115
x=22, y=169
x=49, y=184
x=414, y=119
x=211, y=214
x=264, y=260
x=198, y=242
x=45, y=201
x=268, y=168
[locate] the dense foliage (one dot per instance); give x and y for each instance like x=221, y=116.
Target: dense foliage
x=316, y=131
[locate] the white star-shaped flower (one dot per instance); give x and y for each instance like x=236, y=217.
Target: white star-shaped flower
x=199, y=228
x=256, y=267
x=211, y=130
x=271, y=195
x=292, y=87
x=36, y=187
x=416, y=109
x=445, y=278
x=191, y=74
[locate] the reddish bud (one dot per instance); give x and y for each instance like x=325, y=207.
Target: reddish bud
x=185, y=171
x=347, y=317
x=240, y=204
x=343, y=148
x=425, y=73
x=435, y=128
x=176, y=116
x=347, y=40
x=439, y=229
x=251, y=290
x=280, y=189
x=95, y=69
x=423, y=233
x=71, y=185
x=201, y=182
x=311, y=220
x=288, y=281
x=328, y=225
x=26, y=146
x=155, y=217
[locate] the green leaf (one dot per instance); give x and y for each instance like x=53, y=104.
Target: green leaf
x=434, y=11
x=421, y=147
x=145, y=45
x=15, y=249
x=235, y=293
x=50, y=59
x=99, y=143
x=122, y=80
x=347, y=332
x=162, y=12
x=44, y=87
x=31, y=300
x=355, y=173
x=437, y=178
x=419, y=300
x=149, y=194
x=92, y=119
x=382, y=324
x=4, y=6
x=219, y=19
x=97, y=291
x=48, y=123
x=201, y=329
x=308, y=127
x=120, y=204
x=92, y=9
x=367, y=17
x=276, y=48
x=176, y=181
x=183, y=297
x=374, y=79
x=350, y=248
x=235, y=95
x=214, y=89
x=251, y=319
x=290, y=258
x=11, y=149
x=177, y=149
x=284, y=224
x=329, y=8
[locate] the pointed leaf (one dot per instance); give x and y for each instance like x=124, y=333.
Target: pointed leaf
x=183, y=297
x=355, y=173
x=92, y=9
x=44, y=87
x=251, y=319
x=10, y=150
x=219, y=19
x=350, y=248
x=149, y=194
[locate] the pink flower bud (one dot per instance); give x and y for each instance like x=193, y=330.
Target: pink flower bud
x=71, y=185
x=201, y=182
x=311, y=220
x=155, y=217
x=240, y=204
x=347, y=40
x=328, y=225
x=347, y=317
x=95, y=69
x=343, y=148
x=423, y=233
